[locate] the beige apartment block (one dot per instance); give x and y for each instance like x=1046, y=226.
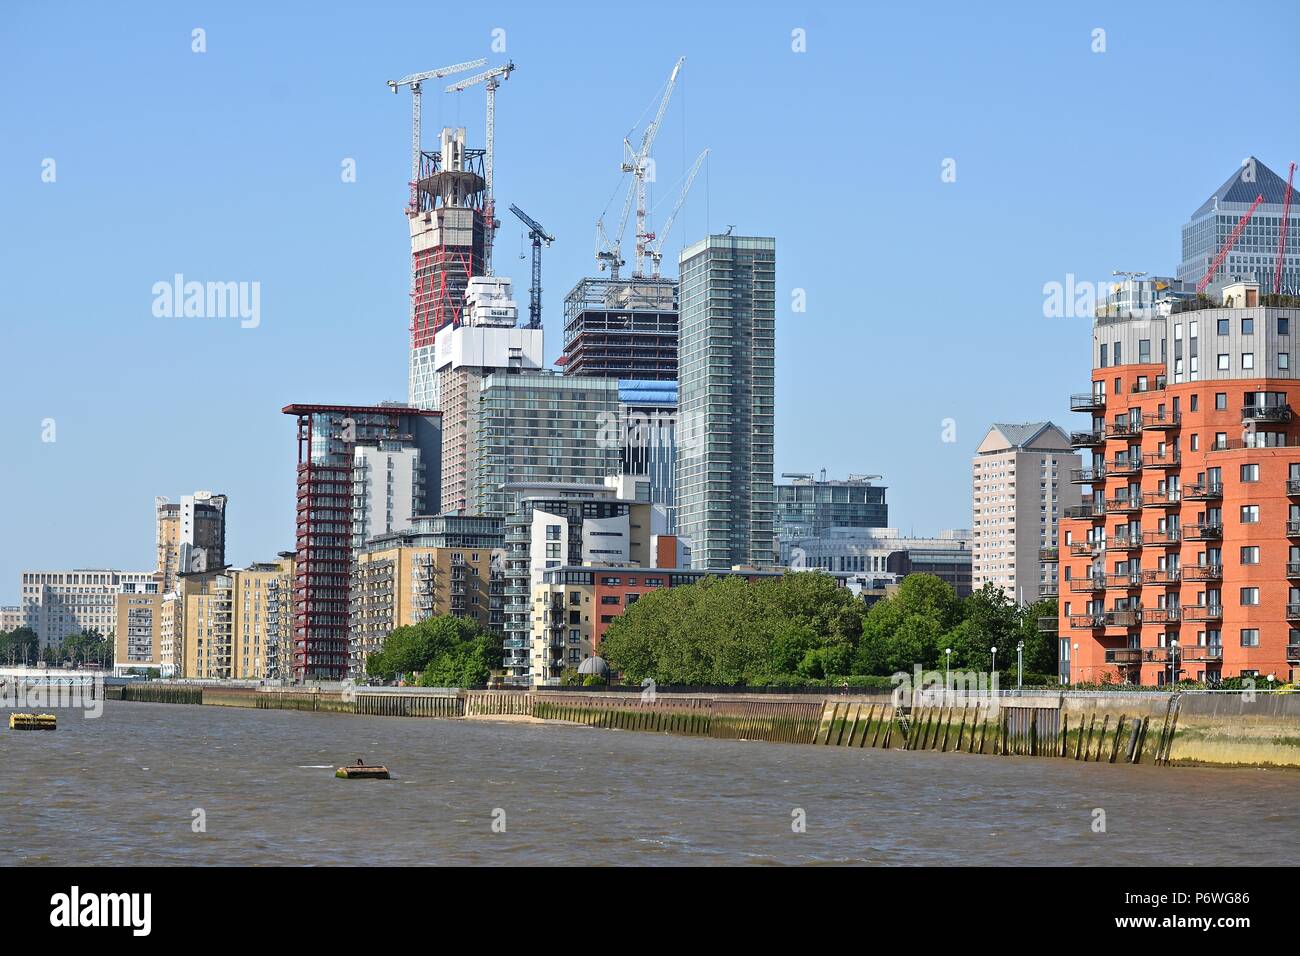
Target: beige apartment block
x=231, y=622
x=1021, y=487
x=190, y=535
x=137, y=640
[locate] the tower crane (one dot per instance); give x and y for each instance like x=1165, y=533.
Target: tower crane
x=493, y=80
x=539, y=235
x=1281, y=239
x=1227, y=246
x=656, y=250
x=635, y=162
x=413, y=81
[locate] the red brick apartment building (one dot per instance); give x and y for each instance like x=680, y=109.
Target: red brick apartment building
x=1184, y=559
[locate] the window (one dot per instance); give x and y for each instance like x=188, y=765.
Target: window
x=1247, y=359
x=609, y=599
x=1248, y=326
x=1250, y=472
x=1283, y=325
x=1250, y=637
x=1220, y=401
x=1250, y=554
x=1283, y=359
x=1223, y=326
x=1195, y=404
x=1102, y=363
x=1249, y=597
x=1144, y=350
x=1223, y=362
x=1250, y=514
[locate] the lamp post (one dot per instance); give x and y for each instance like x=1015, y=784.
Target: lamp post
x=947, y=667
x=1173, y=661
x=1020, y=665
x=994, y=651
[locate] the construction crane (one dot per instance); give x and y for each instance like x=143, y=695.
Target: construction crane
x=493, y=80
x=414, y=81
x=1281, y=239
x=1227, y=246
x=538, y=235
x=609, y=250
x=656, y=250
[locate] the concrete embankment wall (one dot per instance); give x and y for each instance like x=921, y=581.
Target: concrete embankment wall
x=1156, y=728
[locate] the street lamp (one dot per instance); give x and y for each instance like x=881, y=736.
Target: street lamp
x=994, y=651
x=1020, y=665
x=1173, y=661
x=947, y=667
x=1073, y=657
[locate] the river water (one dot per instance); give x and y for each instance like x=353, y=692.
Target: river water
x=124, y=788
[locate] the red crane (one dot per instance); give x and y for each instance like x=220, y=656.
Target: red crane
x=1281, y=239
x=1227, y=246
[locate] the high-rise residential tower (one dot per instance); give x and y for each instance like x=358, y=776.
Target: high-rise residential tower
x=191, y=535
x=1184, y=560
x=1020, y=478
x=1253, y=256
x=362, y=470
x=726, y=371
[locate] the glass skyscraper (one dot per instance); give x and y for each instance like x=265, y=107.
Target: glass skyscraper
x=726, y=368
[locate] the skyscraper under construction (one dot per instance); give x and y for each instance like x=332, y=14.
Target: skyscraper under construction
x=448, y=226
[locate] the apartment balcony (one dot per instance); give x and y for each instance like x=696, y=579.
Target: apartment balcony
x=1202, y=612
x=1203, y=491
x=1293, y=486
x=1161, y=461
x=1293, y=653
x=1166, y=538
x=1087, y=621
x=1293, y=528
x=1162, y=423
x=1161, y=615
x=1163, y=577
x=1124, y=428
x=1124, y=466
x=1049, y=555
x=1293, y=612
x=1124, y=579
x=1049, y=590
x=1266, y=413
x=1162, y=499
x=1087, y=476
x=1088, y=439
x=1084, y=549
x=1088, y=402
x=1122, y=504
x=1124, y=618
x=1123, y=655
x=1203, y=532
x=1293, y=569
x=1123, y=542
x=1086, y=512
x=1201, y=652
x=1048, y=625
x=1093, y=582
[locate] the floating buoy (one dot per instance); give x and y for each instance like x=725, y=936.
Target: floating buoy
x=32, y=722
x=361, y=772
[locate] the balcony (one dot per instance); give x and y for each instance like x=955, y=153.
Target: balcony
x=1203, y=491
x=1166, y=538
x=1293, y=486
x=1092, y=439
x=1161, y=461
x=1124, y=579
x=1293, y=653
x=1088, y=402
x=1124, y=618
x=1266, y=413
x=1084, y=549
x=1166, y=422
x=1161, y=615
x=1049, y=555
x=1124, y=655
x=1047, y=625
x=1126, y=465
x=1203, y=532
x=1086, y=476
x=1202, y=612
x=1124, y=428
x=1161, y=576
x=1085, y=512
x=1161, y=499
x=1121, y=504
x=1093, y=582
x=1201, y=652
x=1048, y=590
x=1123, y=542
x=1293, y=569
x=1293, y=612
x=1087, y=621
x=1293, y=528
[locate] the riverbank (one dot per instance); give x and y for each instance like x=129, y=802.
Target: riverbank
x=1203, y=728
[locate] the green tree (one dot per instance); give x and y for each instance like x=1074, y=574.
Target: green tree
x=447, y=651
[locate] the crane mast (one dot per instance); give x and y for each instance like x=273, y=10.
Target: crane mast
x=538, y=235
x=414, y=80
x=493, y=80
x=1281, y=239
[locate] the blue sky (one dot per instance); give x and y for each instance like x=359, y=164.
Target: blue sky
x=924, y=298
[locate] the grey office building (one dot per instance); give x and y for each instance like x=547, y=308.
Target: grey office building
x=1254, y=255
x=726, y=372
x=808, y=506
